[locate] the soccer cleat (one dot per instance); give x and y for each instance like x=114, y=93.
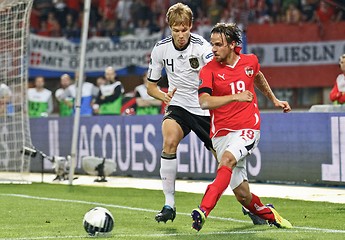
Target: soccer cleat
x=199, y=218
x=256, y=219
x=279, y=221
x=166, y=214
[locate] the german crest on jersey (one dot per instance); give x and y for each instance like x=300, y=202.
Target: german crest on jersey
x=249, y=71
x=194, y=62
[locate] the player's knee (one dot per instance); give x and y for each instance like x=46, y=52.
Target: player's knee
x=228, y=160
x=170, y=145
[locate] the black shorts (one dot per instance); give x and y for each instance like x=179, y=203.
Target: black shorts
x=200, y=125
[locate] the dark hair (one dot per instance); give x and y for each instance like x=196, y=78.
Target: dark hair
x=230, y=30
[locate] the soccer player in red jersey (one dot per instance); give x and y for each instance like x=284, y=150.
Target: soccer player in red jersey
x=227, y=90
x=337, y=95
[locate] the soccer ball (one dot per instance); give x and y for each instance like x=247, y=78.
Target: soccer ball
x=98, y=220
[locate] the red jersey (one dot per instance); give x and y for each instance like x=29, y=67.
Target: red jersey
x=220, y=80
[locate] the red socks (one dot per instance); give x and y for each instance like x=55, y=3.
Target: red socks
x=256, y=207
x=216, y=189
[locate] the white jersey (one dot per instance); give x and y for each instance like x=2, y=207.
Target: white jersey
x=86, y=91
x=42, y=96
x=142, y=91
x=182, y=68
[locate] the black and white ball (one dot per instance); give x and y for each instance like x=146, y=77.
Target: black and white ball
x=98, y=220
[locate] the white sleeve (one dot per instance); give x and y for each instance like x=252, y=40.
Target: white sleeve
x=155, y=65
x=207, y=54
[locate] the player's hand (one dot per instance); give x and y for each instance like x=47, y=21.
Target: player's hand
x=169, y=95
x=246, y=96
x=284, y=105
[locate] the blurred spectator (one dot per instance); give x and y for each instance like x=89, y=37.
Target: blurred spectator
x=43, y=31
x=109, y=99
x=337, y=94
x=141, y=15
x=285, y=4
x=71, y=28
x=264, y=14
x=227, y=17
x=43, y=7
x=157, y=22
x=146, y=105
x=99, y=82
x=214, y=12
x=65, y=102
x=74, y=7
x=111, y=29
x=340, y=10
x=88, y=92
x=204, y=28
x=107, y=9
x=40, y=99
x=324, y=13
x=123, y=16
x=6, y=107
x=35, y=22
x=308, y=8
x=53, y=26
x=275, y=12
x=60, y=10
x=293, y=14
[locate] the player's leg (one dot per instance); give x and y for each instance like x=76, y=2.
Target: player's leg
x=200, y=125
x=253, y=203
x=244, y=197
x=233, y=148
x=242, y=145
x=217, y=187
x=173, y=132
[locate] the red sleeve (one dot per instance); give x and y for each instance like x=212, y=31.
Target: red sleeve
x=341, y=99
x=334, y=94
x=206, y=79
x=256, y=64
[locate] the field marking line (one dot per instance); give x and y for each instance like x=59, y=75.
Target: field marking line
x=160, y=235
x=309, y=229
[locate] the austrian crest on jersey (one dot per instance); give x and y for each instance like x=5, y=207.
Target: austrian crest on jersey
x=249, y=71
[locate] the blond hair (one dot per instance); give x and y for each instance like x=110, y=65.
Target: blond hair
x=179, y=14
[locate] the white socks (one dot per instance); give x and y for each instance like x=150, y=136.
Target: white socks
x=168, y=172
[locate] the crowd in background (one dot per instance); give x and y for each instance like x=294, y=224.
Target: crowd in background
x=114, y=18
x=105, y=97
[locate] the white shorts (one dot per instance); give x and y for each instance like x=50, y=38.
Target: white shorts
x=240, y=143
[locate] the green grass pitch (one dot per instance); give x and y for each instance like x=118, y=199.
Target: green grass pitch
x=55, y=211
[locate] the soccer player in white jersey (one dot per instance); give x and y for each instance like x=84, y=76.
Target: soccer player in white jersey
x=182, y=55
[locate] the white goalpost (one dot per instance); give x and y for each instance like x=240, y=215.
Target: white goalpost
x=14, y=123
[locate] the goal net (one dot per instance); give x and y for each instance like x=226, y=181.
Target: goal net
x=14, y=122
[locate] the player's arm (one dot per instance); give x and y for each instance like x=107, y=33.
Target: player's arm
x=207, y=101
x=118, y=91
x=262, y=84
x=154, y=91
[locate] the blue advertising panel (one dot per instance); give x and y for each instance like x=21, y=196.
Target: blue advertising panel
x=294, y=147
